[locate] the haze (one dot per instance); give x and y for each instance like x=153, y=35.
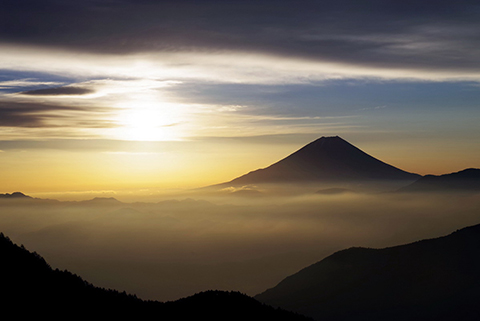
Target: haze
x=173, y=249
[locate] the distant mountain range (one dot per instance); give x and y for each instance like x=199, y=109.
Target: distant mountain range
x=436, y=279
x=31, y=288
x=467, y=180
x=327, y=160
x=462, y=181
x=15, y=195
x=330, y=165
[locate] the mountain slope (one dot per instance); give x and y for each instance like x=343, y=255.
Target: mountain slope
x=327, y=159
x=466, y=180
x=31, y=288
x=436, y=279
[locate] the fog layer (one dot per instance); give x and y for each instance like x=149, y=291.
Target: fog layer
x=176, y=248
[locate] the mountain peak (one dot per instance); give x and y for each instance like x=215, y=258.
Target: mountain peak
x=325, y=138
x=328, y=138
x=327, y=159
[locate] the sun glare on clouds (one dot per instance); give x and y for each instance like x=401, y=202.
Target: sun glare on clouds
x=145, y=118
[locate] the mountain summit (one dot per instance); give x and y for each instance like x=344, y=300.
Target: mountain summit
x=327, y=159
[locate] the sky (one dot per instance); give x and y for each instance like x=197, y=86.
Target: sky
x=104, y=95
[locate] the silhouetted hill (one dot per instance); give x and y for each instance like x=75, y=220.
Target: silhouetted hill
x=220, y=305
x=31, y=288
x=466, y=180
x=327, y=159
x=15, y=195
x=436, y=279
x=101, y=201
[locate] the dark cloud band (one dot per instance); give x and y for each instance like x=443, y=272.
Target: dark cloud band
x=59, y=91
x=38, y=115
x=428, y=34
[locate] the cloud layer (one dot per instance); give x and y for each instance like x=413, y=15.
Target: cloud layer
x=31, y=114
x=426, y=35
x=173, y=249
x=59, y=91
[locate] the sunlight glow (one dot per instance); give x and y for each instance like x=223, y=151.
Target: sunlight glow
x=146, y=118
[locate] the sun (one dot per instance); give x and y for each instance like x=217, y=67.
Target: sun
x=149, y=120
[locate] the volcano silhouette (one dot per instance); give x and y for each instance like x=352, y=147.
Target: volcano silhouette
x=327, y=159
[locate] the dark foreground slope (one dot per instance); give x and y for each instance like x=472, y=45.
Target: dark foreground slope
x=327, y=159
x=31, y=288
x=467, y=180
x=436, y=279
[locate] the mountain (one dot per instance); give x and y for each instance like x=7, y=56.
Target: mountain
x=15, y=195
x=327, y=160
x=31, y=288
x=436, y=279
x=462, y=181
x=101, y=201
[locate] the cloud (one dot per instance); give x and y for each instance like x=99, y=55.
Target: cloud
x=17, y=114
x=426, y=35
x=91, y=144
x=25, y=83
x=172, y=249
x=46, y=115
x=59, y=91
x=374, y=108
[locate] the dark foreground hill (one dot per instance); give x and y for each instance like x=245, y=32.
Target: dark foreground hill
x=436, y=279
x=467, y=180
x=31, y=288
x=326, y=160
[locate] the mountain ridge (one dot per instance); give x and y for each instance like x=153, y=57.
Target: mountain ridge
x=431, y=279
x=30, y=287
x=461, y=181
x=15, y=195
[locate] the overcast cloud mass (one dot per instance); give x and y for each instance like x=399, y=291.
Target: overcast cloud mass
x=438, y=35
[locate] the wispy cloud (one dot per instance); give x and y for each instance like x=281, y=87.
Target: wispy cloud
x=25, y=83
x=26, y=114
x=59, y=91
x=133, y=153
x=374, y=108
x=44, y=120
